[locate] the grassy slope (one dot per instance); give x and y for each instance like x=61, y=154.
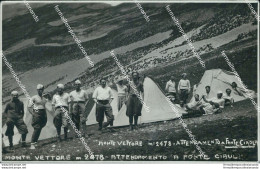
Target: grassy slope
x=127, y=29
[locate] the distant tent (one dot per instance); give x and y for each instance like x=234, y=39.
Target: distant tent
x=219, y=79
x=48, y=131
x=159, y=108
x=92, y=115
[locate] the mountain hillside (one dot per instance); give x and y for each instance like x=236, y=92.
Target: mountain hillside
x=44, y=52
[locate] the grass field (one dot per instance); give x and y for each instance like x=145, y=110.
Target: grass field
x=239, y=122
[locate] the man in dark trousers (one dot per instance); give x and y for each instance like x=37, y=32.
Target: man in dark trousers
x=184, y=89
x=39, y=117
x=60, y=106
x=14, y=111
x=78, y=100
x=103, y=97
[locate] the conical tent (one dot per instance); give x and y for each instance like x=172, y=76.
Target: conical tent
x=219, y=79
x=155, y=100
x=92, y=115
x=47, y=132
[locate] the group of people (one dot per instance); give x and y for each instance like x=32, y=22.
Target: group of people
x=183, y=89
x=126, y=95
x=73, y=103
x=204, y=105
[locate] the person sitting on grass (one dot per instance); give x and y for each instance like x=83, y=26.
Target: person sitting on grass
x=219, y=100
x=210, y=108
x=242, y=91
x=207, y=88
x=194, y=104
x=194, y=89
x=229, y=100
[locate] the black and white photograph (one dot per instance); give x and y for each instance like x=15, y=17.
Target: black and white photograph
x=130, y=81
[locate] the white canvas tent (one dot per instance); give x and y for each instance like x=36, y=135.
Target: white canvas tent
x=92, y=115
x=159, y=108
x=47, y=132
x=219, y=79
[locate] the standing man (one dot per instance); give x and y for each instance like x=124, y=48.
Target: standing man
x=134, y=104
x=39, y=117
x=78, y=100
x=14, y=111
x=121, y=92
x=60, y=104
x=103, y=97
x=184, y=89
x=170, y=88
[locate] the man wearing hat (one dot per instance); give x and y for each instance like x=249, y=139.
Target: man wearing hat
x=14, y=111
x=78, y=100
x=60, y=103
x=39, y=117
x=184, y=89
x=121, y=92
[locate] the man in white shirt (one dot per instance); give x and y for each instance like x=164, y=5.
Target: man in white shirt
x=39, y=117
x=171, y=89
x=207, y=88
x=78, y=100
x=194, y=89
x=229, y=100
x=216, y=101
x=194, y=104
x=60, y=103
x=184, y=89
x=209, y=108
x=102, y=96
